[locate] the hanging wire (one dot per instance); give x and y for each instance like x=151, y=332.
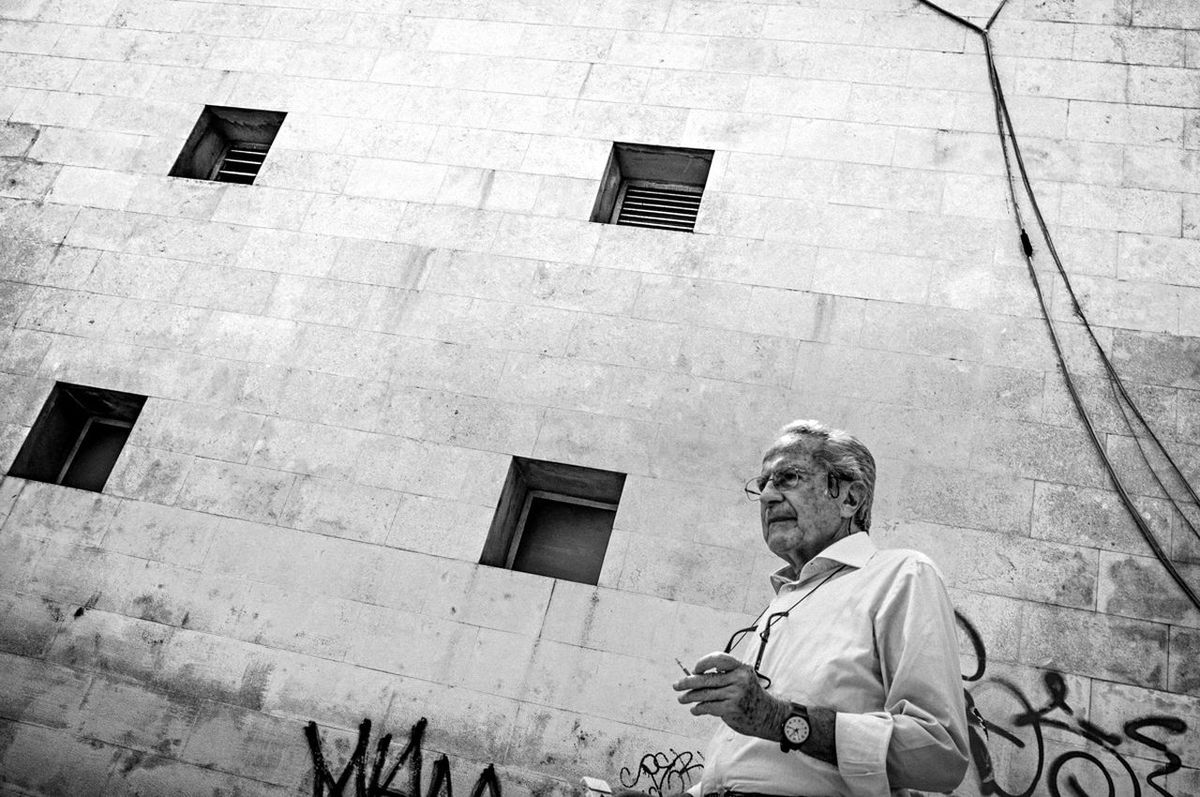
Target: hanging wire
x=1122, y=398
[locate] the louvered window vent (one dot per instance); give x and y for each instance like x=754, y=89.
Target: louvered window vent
x=655, y=187
x=660, y=205
x=241, y=163
x=228, y=145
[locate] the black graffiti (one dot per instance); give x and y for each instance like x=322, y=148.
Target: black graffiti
x=667, y=773
x=1062, y=775
x=382, y=776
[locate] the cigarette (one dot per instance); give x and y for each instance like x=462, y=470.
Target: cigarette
x=686, y=671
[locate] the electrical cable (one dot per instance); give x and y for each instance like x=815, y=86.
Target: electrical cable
x=1007, y=134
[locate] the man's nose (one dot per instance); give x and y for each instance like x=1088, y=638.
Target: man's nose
x=770, y=493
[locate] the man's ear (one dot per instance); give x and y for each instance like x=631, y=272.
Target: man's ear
x=853, y=498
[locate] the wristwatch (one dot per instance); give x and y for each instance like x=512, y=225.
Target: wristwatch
x=795, y=728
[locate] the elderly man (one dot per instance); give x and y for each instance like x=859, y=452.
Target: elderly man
x=849, y=682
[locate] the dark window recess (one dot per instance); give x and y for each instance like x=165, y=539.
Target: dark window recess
x=228, y=144
x=658, y=187
x=78, y=436
x=554, y=520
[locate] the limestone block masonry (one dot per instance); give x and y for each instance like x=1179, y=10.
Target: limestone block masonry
x=342, y=359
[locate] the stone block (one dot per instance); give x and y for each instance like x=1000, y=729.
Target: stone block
x=440, y=527
x=1156, y=359
x=993, y=502
x=872, y=276
x=39, y=71
x=116, y=645
x=658, y=50
x=357, y=217
x=1162, y=85
x=1114, y=704
x=461, y=420
x=160, y=533
x=1140, y=587
x=996, y=619
x=448, y=227
x=251, y=338
x=149, y=474
x=341, y=509
x=633, y=342
x=596, y=441
x=20, y=179
x=739, y=357
x=261, y=206
x=1118, y=303
x=318, y=301
x=415, y=646
x=30, y=623
x=155, y=325
x=379, y=263
x=49, y=511
x=249, y=743
x=41, y=760
x=615, y=82
x=1113, y=648
x=431, y=469
x=1036, y=451
x=580, y=745
x=288, y=252
x=437, y=365
x=685, y=571
x=38, y=693
x=288, y=618
x=841, y=140
x=306, y=448
x=237, y=290
x=1145, y=125
x=136, y=276
x=1003, y=564
x=29, y=220
x=605, y=619
x=396, y=179
x=133, y=716
x=810, y=25
x=237, y=491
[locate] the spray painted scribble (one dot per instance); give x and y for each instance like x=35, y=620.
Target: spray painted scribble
x=380, y=784
x=1023, y=731
x=667, y=773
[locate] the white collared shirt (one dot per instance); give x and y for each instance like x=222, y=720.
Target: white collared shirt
x=875, y=642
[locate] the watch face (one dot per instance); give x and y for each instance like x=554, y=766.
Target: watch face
x=795, y=728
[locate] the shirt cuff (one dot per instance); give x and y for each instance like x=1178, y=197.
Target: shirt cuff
x=862, y=745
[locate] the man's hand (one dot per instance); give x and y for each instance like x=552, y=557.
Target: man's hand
x=733, y=693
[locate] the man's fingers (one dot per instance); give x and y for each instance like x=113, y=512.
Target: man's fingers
x=705, y=695
x=713, y=708
x=721, y=662
x=706, y=681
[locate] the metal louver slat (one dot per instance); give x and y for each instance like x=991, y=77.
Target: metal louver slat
x=660, y=207
x=241, y=164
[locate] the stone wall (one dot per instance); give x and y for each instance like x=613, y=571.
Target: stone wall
x=342, y=359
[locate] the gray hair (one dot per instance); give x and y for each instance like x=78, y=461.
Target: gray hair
x=842, y=454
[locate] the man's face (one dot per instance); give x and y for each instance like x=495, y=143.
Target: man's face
x=800, y=522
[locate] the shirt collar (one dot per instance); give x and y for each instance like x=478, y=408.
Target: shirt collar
x=854, y=551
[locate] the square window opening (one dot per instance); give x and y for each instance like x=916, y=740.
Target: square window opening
x=651, y=186
x=554, y=520
x=228, y=145
x=78, y=436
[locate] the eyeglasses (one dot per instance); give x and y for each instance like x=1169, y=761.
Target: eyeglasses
x=785, y=479
x=765, y=634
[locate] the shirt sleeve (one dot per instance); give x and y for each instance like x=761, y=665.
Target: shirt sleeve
x=919, y=740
